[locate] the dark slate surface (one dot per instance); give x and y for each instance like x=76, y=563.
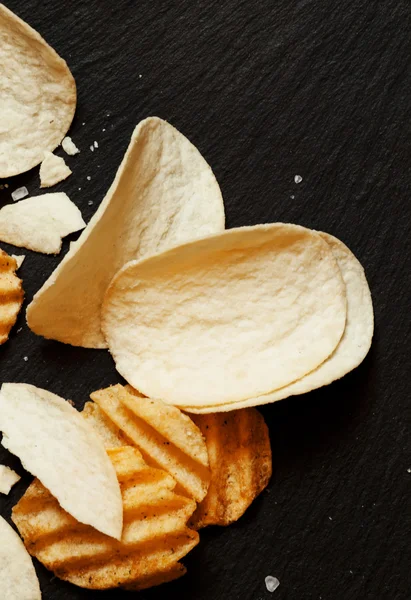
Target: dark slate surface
x=266, y=90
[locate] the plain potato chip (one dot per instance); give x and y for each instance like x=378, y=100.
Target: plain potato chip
x=40, y=223
x=11, y=295
x=37, y=96
x=53, y=169
x=164, y=193
x=238, y=445
x=228, y=317
x=56, y=444
x=18, y=579
x=111, y=435
x=155, y=535
x=167, y=438
x=354, y=344
x=8, y=478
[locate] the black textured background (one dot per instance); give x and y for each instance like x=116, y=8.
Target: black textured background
x=266, y=89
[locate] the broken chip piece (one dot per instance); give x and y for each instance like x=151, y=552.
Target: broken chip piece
x=69, y=146
x=155, y=536
x=11, y=295
x=38, y=95
x=57, y=445
x=8, y=478
x=164, y=193
x=239, y=449
x=167, y=438
x=53, y=169
x=40, y=223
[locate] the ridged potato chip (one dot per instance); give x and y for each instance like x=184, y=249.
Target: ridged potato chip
x=11, y=295
x=38, y=96
x=155, y=535
x=111, y=435
x=167, y=438
x=228, y=317
x=164, y=193
x=354, y=344
x=239, y=449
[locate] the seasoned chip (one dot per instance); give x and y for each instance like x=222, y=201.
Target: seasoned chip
x=155, y=535
x=38, y=96
x=18, y=579
x=167, y=438
x=111, y=435
x=11, y=295
x=228, y=317
x=239, y=448
x=40, y=223
x=164, y=193
x=53, y=169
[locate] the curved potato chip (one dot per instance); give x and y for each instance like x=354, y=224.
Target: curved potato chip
x=167, y=438
x=18, y=579
x=37, y=96
x=55, y=443
x=354, y=344
x=155, y=535
x=238, y=445
x=11, y=295
x=164, y=193
x=225, y=318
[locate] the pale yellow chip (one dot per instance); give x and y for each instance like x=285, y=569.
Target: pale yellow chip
x=40, y=223
x=354, y=344
x=239, y=449
x=155, y=535
x=37, y=96
x=167, y=438
x=58, y=446
x=164, y=193
x=53, y=169
x=18, y=579
x=111, y=435
x=11, y=295
x=228, y=317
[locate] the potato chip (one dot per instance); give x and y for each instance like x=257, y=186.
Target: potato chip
x=228, y=317
x=166, y=437
x=354, y=344
x=56, y=444
x=40, y=223
x=155, y=535
x=238, y=445
x=38, y=96
x=8, y=478
x=111, y=435
x=164, y=193
x=18, y=579
x=11, y=295
x=19, y=258
x=53, y=169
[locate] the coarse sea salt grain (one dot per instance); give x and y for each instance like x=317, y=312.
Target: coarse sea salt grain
x=271, y=583
x=95, y=144
x=92, y=148
x=25, y=358
x=298, y=179
x=20, y=193
x=88, y=178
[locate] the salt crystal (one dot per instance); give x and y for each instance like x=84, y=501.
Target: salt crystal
x=88, y=178
x=140, y=76
x=90, y=202
x=83, y=123
x=20, y=193
x=330, y=518
x=103, y=129
x=298, y=179
x=25, y=358
x=6, y=185
x=95, y=144
x=92, y=148
x=271, y=583
x=79, y=189
x=292, y=197
x=408, y=470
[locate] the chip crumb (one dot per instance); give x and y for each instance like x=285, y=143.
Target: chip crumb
x=298, y=179
x=8, y=478
x=20, y=193
x=69, y=146
x=271, y=583
x=6, y=185
x=19, y=258
x=71, y=402
x=53, y=170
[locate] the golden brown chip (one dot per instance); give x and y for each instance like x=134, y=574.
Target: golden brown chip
x=239, y=449
x=11, y=295
x=167, y=438
x=155, y=535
